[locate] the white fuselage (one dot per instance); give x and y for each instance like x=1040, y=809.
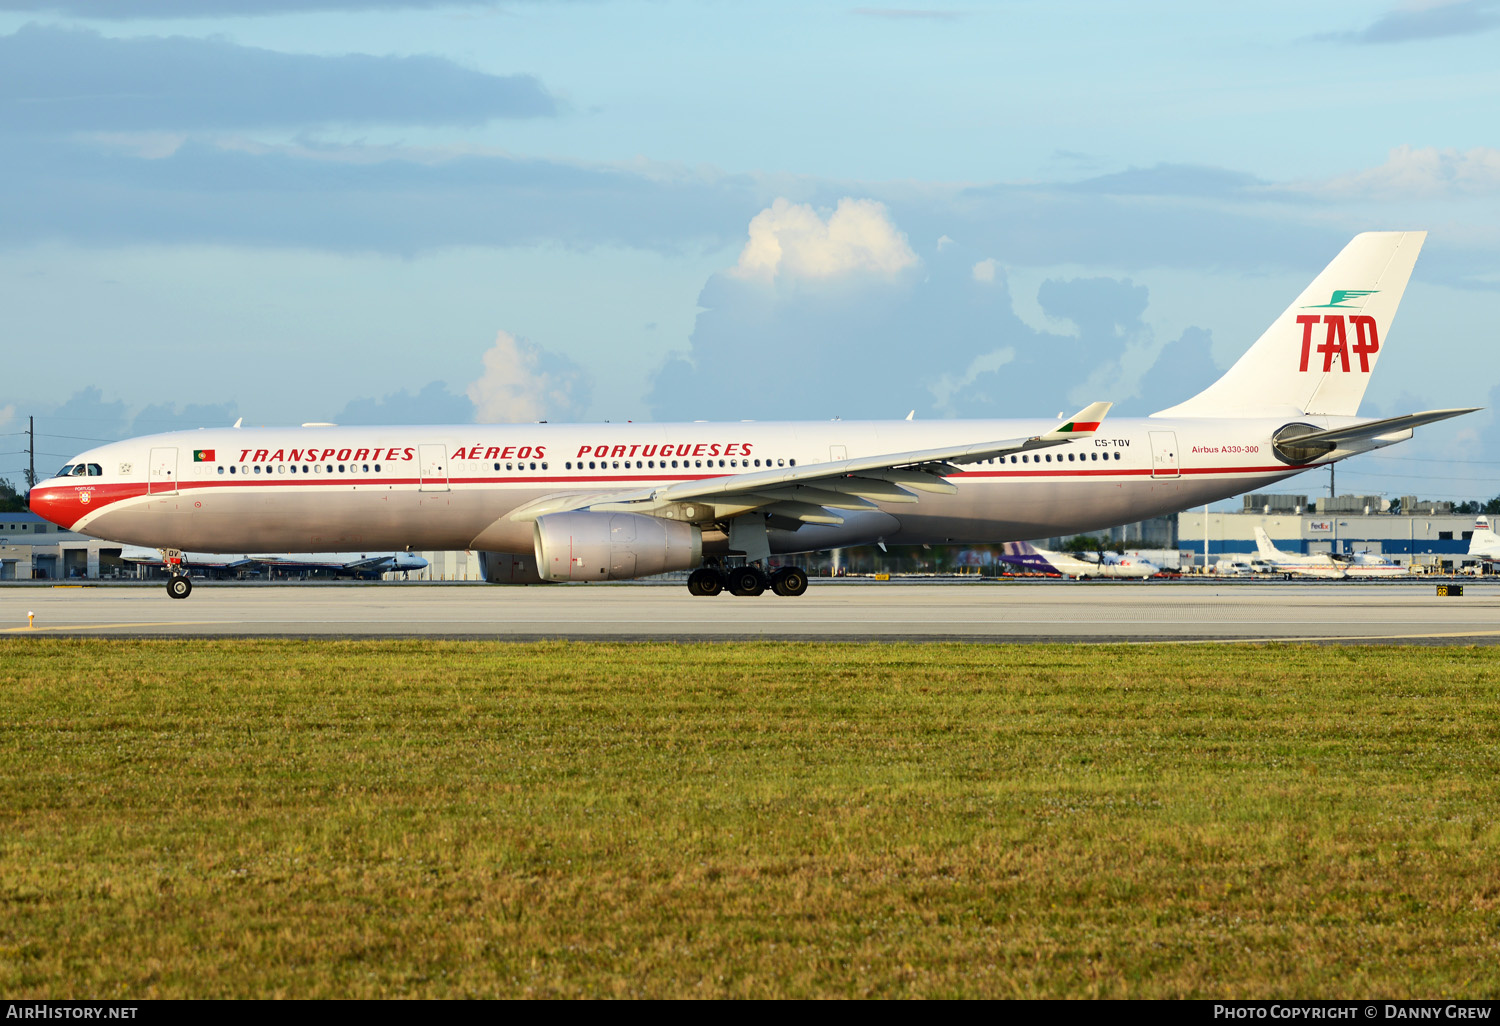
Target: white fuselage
x=1124, y=568
x=317, y=489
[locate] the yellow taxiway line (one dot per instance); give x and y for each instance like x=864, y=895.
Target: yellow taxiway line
x=108, y=626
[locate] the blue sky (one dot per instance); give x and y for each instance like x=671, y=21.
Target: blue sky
x=424, y=211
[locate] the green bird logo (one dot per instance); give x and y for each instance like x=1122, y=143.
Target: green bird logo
x=1339, y=295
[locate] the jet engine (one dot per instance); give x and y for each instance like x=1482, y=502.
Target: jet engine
x=613, y=546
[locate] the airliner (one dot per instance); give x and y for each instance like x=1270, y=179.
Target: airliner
x=1315, y=565
x=342, y=564
x=1367, y=564
x=1484, y=543
x=1024, y=554
x=551, y=502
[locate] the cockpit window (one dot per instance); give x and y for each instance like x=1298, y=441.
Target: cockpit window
x=80, y=470
x=66, y=471
x=95, y=470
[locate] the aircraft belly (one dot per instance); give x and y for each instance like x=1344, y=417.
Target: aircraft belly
x=297, y=521
x=1016, y=510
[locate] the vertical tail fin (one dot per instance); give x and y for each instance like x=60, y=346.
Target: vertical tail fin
x=1317, y=356
x=1025, y=554
x=1264, y=545
x=1484, y=542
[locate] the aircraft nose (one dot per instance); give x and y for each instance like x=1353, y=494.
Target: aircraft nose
x=59, y=504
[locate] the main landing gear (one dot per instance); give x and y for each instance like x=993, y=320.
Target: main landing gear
x=750, y=580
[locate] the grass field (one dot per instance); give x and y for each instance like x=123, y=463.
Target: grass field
x=204, y=818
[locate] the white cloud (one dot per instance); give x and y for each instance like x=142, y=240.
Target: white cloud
x=943, y=242
x=793, y=240
x=1418, y=173
x=985, y=270
x=523, y=383
x=945, y=388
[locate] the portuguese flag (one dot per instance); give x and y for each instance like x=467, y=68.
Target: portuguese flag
x=203, y=455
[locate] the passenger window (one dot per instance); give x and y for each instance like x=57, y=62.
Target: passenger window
x=221, y=468
x=377, y=468
x=792, y=462
x=757, y=463
x=781, y=463
x=1117, y=455
x=674, y=464
x=531, y=466
x=281, y=468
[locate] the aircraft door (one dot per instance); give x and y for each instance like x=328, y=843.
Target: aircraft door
x=1164, y=454
x=837, y=453
x=433, y=461
x=163, y=480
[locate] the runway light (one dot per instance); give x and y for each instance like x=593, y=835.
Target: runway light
x=30, y=619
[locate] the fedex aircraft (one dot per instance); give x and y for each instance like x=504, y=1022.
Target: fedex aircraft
x=545, y=502
x=1027, y=555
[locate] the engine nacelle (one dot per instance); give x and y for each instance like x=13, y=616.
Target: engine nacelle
x=613, y=546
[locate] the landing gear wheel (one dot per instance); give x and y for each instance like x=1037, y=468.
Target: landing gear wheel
x=746, y=581
x=179, y=587
x=789, y=581
x=705, y=582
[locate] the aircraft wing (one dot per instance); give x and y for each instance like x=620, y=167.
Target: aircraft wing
x=364, y=564
x=812, y=493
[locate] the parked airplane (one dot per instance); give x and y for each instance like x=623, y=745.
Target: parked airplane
x=1317, y=565
x=1484, y=543
x=342, y=564
x=1367, y=564
x=1027, y=555
x=615, y=501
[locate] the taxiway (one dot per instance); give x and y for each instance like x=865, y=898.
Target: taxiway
x=989, y=611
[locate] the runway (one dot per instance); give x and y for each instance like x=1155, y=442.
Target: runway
x=988, y=611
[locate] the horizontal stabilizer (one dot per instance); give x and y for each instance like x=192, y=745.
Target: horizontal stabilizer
x=1376, y=428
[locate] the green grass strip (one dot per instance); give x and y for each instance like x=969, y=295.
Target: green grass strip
x=442, y=819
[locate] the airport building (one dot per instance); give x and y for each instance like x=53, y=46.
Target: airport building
x=1409, y=530
x=34, y=549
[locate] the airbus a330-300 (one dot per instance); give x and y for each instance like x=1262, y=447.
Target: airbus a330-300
x=545, y=502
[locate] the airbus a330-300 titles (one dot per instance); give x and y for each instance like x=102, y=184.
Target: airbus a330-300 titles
x=544, y=502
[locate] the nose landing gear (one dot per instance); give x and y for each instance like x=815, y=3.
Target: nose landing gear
x=179, y=585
